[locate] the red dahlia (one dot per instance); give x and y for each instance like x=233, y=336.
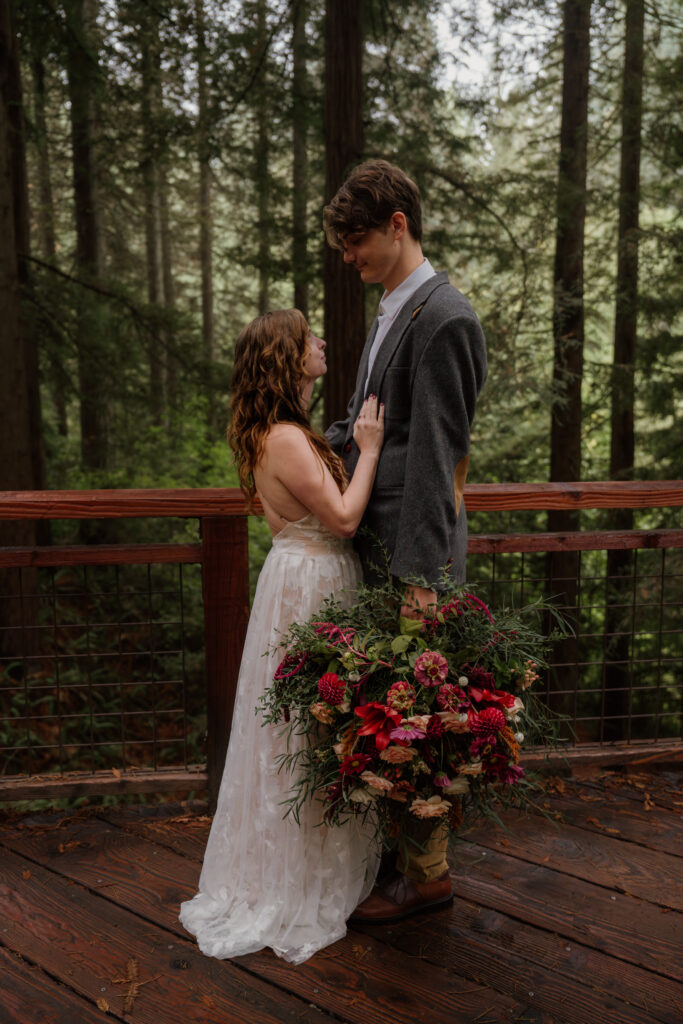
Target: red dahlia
x=488, y=722
x=354, y=764
x=331, y=688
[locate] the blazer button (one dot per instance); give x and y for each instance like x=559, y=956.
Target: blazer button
x=347, y=447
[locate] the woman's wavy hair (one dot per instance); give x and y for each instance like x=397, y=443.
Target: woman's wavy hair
x=268, y=374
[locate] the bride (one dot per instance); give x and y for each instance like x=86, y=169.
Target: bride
x=267, y=881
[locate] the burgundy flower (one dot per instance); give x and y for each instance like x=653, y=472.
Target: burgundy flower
x=483, y=746
x=378, y=721
x=290, y=664
x=354, y=764
x=331, y=688
x=487, y=722
x=435, y=729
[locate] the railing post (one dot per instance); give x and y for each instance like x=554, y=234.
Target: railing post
x=225, y=587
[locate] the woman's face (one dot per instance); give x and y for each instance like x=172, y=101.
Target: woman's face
x=315, y=365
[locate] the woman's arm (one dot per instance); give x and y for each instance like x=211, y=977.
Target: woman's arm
x=298, y=468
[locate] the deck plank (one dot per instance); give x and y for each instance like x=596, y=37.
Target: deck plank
x=521, y=959
x=579, y=853
x=658, y=829
x=620, y=925
x=369, y=982
x=88, y=943
x=29, y=996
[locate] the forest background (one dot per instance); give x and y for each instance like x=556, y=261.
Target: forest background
x=164, y=168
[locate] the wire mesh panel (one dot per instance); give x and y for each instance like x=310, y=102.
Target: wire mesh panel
x=101, y=667
x=619, y=677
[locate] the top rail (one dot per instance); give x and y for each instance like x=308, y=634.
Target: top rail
x=229, y=502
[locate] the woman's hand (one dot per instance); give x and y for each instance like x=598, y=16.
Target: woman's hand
x=368, y=430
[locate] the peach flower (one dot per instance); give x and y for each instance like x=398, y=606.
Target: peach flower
x=398, y=755
x=452, y=721
x=435, y=807
x=323, y=712
x=475, y=768
x=377, y=782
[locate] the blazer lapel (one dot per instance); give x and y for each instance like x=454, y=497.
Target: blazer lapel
x=359, y=395
x=406, y=314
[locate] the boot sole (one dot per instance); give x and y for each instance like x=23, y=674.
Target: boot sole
x=421, y=908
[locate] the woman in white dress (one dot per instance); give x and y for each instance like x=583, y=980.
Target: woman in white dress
x=267, y=881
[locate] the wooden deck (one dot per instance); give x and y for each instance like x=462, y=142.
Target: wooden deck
x=577, y=922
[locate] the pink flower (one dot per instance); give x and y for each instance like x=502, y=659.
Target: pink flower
x=449, y=697
x=431, y=668
x=405, y=733
x=441, y=780
x=401, y=696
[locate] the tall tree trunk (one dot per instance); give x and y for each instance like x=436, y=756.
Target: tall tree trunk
x=619, y=585
x=205, y=214
x=565, y=429
x=21, y=462
x=46, y=222
x=261, y=161
x=344, y=320
x=83, y=75
x=171, y=359
x=300, y=157
x=150, y=59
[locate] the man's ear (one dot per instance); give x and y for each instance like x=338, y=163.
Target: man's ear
x=399, y=224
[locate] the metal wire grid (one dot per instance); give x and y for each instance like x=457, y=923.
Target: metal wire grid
x=623, y=678
x=101, y=676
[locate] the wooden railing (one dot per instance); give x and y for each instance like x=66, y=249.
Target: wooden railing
x=223, y=554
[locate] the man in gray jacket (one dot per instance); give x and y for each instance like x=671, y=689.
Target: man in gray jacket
x=425, y=359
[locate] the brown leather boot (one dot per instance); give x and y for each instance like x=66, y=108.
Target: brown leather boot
x=400, y=897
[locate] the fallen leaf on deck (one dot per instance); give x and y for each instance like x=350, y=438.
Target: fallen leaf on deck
x=103, y=1005
x=116, y=772
x=649, y=802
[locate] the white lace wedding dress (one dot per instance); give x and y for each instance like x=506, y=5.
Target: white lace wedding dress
x=267, y=881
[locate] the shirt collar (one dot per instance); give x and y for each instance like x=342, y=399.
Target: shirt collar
x=390, y=304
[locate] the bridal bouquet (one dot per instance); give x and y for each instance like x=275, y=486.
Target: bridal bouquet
x=404, y=718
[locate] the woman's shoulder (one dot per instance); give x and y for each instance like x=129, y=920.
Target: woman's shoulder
x=286, y=439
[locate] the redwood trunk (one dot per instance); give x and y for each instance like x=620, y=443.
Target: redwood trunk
x=21, y=465
x=300, y=157
x=83, y=75
x=150, y=177
x=205, y=215
x=344, y=320
x=618, y=626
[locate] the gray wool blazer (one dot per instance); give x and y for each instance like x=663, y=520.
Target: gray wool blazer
x=428, y=372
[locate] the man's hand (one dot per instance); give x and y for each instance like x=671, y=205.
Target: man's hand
x=417, y=601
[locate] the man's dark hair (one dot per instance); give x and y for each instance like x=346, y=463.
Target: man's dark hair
x=372, y=192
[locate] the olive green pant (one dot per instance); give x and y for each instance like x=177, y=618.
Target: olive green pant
x=422, y=851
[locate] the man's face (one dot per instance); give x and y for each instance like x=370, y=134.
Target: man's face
x=373, y=254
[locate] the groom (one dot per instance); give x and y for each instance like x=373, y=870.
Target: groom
x=425, y=359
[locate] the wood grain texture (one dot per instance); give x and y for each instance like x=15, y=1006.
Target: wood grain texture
x=592, y=987
x=29, y=996
x=374, y=984
x=78, y=784
x=103, y=554
x=616, y=924
x=225, y=586
x=593, y=856
x=228, y=501
x=596, y=540
x=88, y=943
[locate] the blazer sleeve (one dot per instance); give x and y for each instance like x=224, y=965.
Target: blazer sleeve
x=451, y=373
